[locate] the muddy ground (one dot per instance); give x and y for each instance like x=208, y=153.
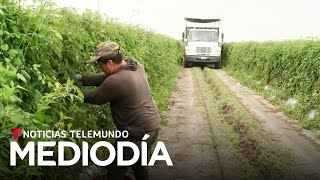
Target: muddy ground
x=304, y=146
x=190, y=136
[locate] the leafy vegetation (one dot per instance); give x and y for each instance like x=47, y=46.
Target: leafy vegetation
x=287, y=73
x=41, y=48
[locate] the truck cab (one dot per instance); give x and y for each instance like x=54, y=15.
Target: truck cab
x=202, y=44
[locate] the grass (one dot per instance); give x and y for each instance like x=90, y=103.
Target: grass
x=257, y=156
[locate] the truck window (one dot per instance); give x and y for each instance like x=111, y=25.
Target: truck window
x=207, y=36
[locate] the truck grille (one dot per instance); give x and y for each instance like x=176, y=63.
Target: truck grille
x=203, y=50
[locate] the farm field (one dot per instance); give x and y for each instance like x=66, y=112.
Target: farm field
x=258, y=117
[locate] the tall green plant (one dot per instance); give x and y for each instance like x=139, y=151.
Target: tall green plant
x=41, y=48
x=283, y=71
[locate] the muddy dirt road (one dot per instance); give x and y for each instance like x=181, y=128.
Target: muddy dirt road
x=305, y=147
x=207, y=139
x=189, y=138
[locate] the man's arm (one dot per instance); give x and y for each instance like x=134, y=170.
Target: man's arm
x=102, y=95
x=93, y=80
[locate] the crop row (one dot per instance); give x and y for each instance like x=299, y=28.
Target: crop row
x=287, y=73
x=41, y=48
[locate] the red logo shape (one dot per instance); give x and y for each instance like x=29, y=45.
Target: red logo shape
x=16, y=132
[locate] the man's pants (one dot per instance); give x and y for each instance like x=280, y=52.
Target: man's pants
x=140, y=172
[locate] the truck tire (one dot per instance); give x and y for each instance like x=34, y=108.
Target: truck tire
x=185, y=64
x=211, y=65
x=217, y=65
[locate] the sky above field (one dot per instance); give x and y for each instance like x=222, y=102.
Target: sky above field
x=242, y=20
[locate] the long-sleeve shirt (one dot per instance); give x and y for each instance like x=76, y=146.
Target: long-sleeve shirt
x=128, y=92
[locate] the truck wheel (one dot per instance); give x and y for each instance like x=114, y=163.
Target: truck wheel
x=186, y=64
x=217, y=65
x=211, y=65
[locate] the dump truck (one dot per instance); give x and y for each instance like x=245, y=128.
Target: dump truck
x=203, y=42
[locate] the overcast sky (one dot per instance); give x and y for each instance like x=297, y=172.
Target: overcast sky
x=243, y=20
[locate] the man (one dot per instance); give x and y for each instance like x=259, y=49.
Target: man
x=125, y=86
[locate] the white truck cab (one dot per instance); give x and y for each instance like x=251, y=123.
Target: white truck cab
x=202, y=44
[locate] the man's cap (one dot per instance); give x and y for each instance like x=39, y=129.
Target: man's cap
x=105, y=49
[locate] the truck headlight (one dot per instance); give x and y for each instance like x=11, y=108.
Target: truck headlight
x=216, y=51
x=190, y=50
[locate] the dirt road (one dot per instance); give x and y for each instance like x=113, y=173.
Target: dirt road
x=305, y=147
x=189, y=138
x=207, y=137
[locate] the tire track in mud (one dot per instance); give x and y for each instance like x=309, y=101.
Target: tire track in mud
x=241, y=132
x=213, y=130
x=248, y=146
x=230, y=168
x=211, y=133
x=190, y=139
x=305, y=148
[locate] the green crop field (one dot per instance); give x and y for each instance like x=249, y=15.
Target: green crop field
x=287, y=73
x=41, y=48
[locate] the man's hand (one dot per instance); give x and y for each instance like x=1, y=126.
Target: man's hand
x=78, y=79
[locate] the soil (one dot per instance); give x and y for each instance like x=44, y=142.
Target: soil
x=190, y=137
x=304, y=146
